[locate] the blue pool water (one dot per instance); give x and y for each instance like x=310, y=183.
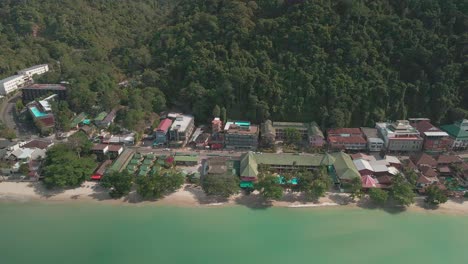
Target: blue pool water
x=36, y=112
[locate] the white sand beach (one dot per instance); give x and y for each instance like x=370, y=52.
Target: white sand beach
x=192, y=196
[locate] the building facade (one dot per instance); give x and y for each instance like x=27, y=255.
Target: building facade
x=374, y=142
x=34, y=91
x=346, y=138
x=400, y=136
x=35, y=70
x=241, y=135
x=11, y=84
x=435, y=140
x=281, y=128
x=459, y=134
x=181, y=130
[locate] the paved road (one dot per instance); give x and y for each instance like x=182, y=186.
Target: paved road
x=9, y=117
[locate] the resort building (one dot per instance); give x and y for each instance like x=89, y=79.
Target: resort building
x=161, y=132
x=250, y=163
x=181, y=130
x=35, y=70
x=42, y=115
x=241, y=135
x=423, y=159
x=400, y=136
x=374, y=142
x=344, y=168
x=459, y=134
x=34, y=91
x=435, y=140
x=346, y=139
x=280, y=129
x=375, y=168
x=11, y=84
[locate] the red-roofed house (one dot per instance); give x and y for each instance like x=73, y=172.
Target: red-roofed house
x=40, y=144
x=161, y=132
x=424, y=181
x=368, y=182
x=346, y=138
x=428, y=171
x=445, y=160
x=423, y=159
x=435, y=140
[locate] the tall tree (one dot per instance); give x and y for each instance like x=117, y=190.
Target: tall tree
x=216, y=111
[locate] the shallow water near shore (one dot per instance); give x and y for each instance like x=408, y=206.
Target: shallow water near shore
x=95, y=233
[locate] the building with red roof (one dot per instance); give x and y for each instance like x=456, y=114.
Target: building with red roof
x=353, y=131
x=368, y=182
x=435, y=140
x=400, y=136
x=445, y=160
x=161, y=132
x=423, y=159
x=346, y=139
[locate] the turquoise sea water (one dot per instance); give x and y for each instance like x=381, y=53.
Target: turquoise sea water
x=97, y=233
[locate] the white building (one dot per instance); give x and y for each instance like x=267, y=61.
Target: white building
x=374, y=142
x=15, y=82
x=11, y=84
x=37, y=69
x=182, y=129
x=400, y=136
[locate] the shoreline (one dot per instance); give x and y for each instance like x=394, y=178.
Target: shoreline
x=190, y=196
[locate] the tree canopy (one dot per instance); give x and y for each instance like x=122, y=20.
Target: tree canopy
x=402, y=192
x=119, y=183
x=269, y=187
x=435, y=196
x=64, y=168
x=340, y=63
x=159, y=184
x=220, y=185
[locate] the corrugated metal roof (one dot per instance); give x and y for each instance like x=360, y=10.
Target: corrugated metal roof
x=344, y=166
x=186, y=158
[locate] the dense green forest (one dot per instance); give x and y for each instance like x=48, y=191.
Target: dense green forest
x=340, y=63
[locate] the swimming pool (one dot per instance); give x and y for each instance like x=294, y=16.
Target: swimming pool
x=36, y=112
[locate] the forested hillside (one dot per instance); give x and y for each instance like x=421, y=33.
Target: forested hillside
x=341, y=63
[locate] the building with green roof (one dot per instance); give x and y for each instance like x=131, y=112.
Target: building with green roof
x=344, y=167
x=147, y=162
x=248, y=167
x=100, y=116
x=121, y=162
x=281, y=162
x=78, y=119
x=186, y=160
x=458, y=131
